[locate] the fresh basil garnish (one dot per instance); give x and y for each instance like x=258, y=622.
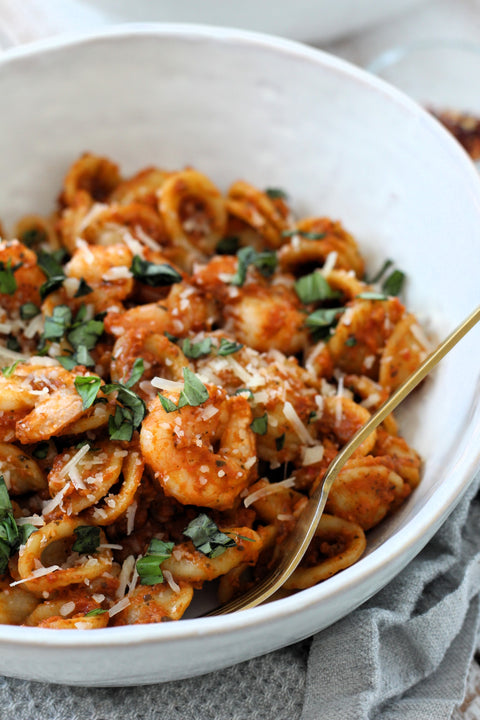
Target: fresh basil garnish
x=314, y=288
x=260, y=424
x=88, y=539
x=207, y=538
x=152, y=274
x=8, y=284
x=149, y=566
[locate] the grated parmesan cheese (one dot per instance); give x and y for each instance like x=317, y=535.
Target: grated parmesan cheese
x=39, y=572
x=329, y=264
x=119, y=606
x=311, y=455
x=169, y=578
x=67, y=608
x=73, y=462
x=164, y=384
x=268, y=490
x=299, y=427
x=126, y=574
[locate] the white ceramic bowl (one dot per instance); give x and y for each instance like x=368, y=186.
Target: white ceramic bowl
x=308, y=20
x=239, y=105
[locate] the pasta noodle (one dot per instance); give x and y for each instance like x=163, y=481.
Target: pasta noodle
x=180, y=366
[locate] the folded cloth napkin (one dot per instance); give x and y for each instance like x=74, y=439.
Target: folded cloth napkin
x=403, y=655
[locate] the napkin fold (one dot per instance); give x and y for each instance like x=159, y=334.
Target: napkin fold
x=403, y=655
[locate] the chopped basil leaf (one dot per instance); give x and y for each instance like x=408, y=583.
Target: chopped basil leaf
x=194, y=392
x=41, y=451
x=228, y=245
x=371, y=295
x=148, y=567
x=8, y=284
x=351, y=341
x=25, y=531
x=7, y=371
x=394, y=283
x=196, y=350
x=154, y=275
x=29, y=310
x=260, y=424
x=167, y=404
x=87, y=388
x=172, y=338
x=206, y=536
x=5, y=502
x=265, y=262
x=50, y=285
x=245, y=258
x=83, y=357
x=85, y=333
x=83, y=289
x=120, y=425
x=57, y=323
x=50, y=264
x=11, y=534
x=137, y=371
x=68, y=361
x=95, y=611
x=88, y=539
x=304, y=234
x=324, y=317
x=128, y=414
x=376, y=278
x=314, y=287
x=13, y=344
x=227, y=347
x=276, y=194
x=280, y=441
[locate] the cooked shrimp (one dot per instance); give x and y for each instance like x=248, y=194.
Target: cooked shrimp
x=201, y=455
x=106, y=270
x=267, y=318
x=50, y=391
x=153, y=318
x=160, y=356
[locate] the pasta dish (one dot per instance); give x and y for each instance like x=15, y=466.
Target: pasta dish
x=179, y=368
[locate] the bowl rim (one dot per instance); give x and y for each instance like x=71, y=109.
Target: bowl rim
x=417, y=531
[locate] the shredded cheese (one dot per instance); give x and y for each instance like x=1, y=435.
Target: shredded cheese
x=268, y=490
x=299, y=427
x=119, y=606
x=39, y=572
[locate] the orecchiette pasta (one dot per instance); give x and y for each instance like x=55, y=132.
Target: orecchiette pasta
x=179, y=368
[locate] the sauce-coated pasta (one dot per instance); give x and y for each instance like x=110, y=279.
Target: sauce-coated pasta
x=180, y=366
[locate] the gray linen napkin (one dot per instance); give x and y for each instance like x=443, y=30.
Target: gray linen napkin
x=403, y=655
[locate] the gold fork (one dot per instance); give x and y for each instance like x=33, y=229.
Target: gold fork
x=299, y=539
